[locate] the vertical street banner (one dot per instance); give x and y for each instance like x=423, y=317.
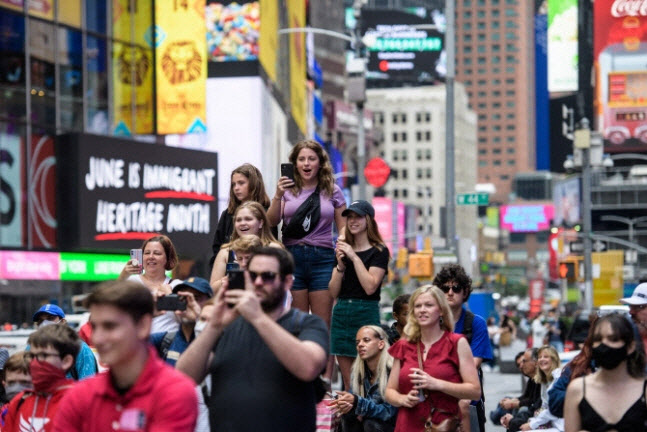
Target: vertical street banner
x=620, y=56
x=562, y=45
x=11, y=191
x=180, y=66
x=298, y=98
x=268, y=39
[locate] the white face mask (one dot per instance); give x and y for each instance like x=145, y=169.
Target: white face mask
x=199, y=326
x=46, y=323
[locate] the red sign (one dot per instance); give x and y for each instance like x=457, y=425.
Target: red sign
x=536, y=293
x=377, y=172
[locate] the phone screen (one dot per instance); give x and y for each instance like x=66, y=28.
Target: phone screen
x=137, y=254
x=236, y=279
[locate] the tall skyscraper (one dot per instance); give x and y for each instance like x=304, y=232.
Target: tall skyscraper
x=494, y=59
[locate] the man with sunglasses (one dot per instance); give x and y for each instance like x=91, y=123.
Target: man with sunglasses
x=638, y=310
x=457, y=286
x=52, y=353
x=262, y=355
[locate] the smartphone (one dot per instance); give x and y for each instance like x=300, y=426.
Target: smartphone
x=171, y=302
x=232, y=266
x=136, y=256
x=236, y=279
x=287, y=170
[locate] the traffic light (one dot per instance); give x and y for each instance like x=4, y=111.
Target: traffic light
x=421, y=265
x=569, y=269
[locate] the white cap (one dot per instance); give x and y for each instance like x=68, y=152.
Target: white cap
x=639, y=297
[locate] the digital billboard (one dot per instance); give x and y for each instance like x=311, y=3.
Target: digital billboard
x=526, y=218
x=620, y=56
x=233, y=29
x=566, y=196
x=405, y=46
x=562, y=45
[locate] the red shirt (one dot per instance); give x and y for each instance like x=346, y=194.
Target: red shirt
x=162, y=399
x=29, y=411
x=442, y=363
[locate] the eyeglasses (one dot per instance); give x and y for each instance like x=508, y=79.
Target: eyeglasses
x=456, y=288
x=41, y=357
x=267, y=276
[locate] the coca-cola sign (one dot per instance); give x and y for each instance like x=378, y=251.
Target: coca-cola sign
x=623, y=8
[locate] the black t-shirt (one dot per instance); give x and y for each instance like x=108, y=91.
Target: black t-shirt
x=350, y=286
x=251, y=390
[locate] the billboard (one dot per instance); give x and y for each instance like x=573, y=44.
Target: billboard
x=298, y=64
x=11, y=190
x=181, y=66
x=526, y=218
x=114, y=193
x=620, y=56
x=541, y=89
x=268, y=41
x=406, y=45
x=233, y=30
x=566, y=196
x=562, y=46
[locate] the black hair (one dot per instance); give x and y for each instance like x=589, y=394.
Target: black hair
x=456, y=273
x=399, y=302
x=286, y=262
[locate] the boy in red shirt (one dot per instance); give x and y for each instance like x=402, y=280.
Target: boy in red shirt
x=52, y=352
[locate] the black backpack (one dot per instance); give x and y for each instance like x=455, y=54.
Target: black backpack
x=305, y=219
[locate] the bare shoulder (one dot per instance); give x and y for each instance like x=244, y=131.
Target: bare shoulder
x=574, y=389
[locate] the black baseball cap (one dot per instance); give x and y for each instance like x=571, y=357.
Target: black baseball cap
x=360, y=207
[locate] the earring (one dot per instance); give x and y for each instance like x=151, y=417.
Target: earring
x=441, y=321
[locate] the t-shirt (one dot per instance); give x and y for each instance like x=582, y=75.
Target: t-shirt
x=167, y=321
x=480, y=344
x=322, y=234
x=177, y=346
x=350, y=285
x=251, y=390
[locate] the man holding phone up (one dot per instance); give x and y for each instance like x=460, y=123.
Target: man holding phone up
x=262, y=355
x=192, y=294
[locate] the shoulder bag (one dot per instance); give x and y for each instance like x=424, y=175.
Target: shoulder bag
x=305, y=219
x=451, y=424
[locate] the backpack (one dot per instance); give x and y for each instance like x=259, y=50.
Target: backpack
x=162, y=350
x=305, y=219
x=469, y=333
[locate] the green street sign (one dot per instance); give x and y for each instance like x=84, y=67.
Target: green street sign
x=476, y=198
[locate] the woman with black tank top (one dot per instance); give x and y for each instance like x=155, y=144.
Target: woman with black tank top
x=613, y=397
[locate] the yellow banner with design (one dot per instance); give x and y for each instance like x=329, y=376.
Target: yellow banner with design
x=132, y=67
x=181, y=66
x=298, y=101
x=268, y=44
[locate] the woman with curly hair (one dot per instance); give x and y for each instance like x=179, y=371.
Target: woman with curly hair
x=312, y=248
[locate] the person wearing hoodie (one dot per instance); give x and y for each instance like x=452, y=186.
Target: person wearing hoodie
x=53, y=350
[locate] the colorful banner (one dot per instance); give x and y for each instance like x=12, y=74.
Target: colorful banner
x=42, y=192
x=11, y=191
x=132, y=71
x=181, y=66
x=298, y=65
x=42, y=9
x=29, y=265
x=384, y=219
x=69, y=12
x=233, y=30
x=562, y=45
x=268, y=39
x=620, y=55
x=526, y=218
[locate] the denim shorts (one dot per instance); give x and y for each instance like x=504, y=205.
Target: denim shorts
x=313, y=267
x=348, y=316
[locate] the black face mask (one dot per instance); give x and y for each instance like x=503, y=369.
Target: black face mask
x=607, y=357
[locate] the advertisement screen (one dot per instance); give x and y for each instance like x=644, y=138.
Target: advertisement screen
x=113, y=194
x=404, y=45
x=526, y=218
x=566, y=195
x=233, y=30
x=620, y=56
x=562, y=45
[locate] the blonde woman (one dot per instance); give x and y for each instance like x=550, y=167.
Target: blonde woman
x=364, y=407
x=548, y=370
x=447, y=374
x=249, y=218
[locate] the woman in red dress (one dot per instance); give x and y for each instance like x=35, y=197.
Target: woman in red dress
x=448, y=373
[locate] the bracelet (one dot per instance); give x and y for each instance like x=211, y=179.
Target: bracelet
x=275, y=198
x=339, y=270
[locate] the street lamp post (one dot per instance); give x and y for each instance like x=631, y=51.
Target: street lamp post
x=450, y=203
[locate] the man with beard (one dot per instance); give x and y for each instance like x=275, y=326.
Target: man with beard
x=262, y=355
x=638, y=310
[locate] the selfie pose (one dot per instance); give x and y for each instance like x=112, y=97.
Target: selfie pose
x=308, y=205
x=158, y=257
x=356, y=281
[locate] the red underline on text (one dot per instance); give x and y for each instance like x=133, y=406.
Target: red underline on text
x=125, y=236
x=179, y=195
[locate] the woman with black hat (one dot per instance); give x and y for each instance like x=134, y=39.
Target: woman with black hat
x=362, y=261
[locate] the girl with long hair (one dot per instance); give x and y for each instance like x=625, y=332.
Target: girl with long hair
x=448, y=374
x=613, y=397
x=364, y=407
x=356, y=281
x=313, y=253
x=246, y=185
x=249, y=219
x=548, y=370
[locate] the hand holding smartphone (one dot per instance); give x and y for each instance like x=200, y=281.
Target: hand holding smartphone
x=287, y=170
x=171, y=302
x=136, y=259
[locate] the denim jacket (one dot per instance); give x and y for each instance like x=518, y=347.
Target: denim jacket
x=373, y=406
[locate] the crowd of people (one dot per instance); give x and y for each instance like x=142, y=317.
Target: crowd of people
x=253, y=345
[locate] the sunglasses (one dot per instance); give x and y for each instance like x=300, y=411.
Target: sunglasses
x=456, y=288
x=637, y=307
x=267, y=276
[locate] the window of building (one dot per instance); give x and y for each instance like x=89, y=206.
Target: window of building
x=482, y=162
x=495, y=12
x=428, y=173
x=480, y=25
x=418, y=117
x=467, y=60
x=468, y=71
x=394, y=118
x=428, y=154
x=510, y=150
x=510, y=104
x=395, y=193
x=496, y=59
x=496, y=128
x=427, y=135
x=404, y=136
x=496, y=24
x=483, y=128
x=496, y=93
x=395, y=137
x=467, y=14
x=405, y=193
x=517, y=238
x=482, y=152
x=496, y=151
x=496, y=116
x=428, y=116
x=496, y=70
x=405, y=174
x=510, y=35
x=419, y=154
x=467, y=26
x=419, y=173
x=480, y=14
x=418, y=136
x=403, y=116
x=511, y=162
x=504, y=177
x=496, y=162
x=483, y=140
x=481, y=37
x=404, y=156
x=510, y=127
x=495, y=36
x=396, y=155
x=509, y=139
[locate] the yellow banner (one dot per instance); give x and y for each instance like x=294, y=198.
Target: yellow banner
x=69, y=12
x=268, y=38
x=181, y=66
x=298, y=101
x=42, y=9
x=132, y=68
x=608, y=281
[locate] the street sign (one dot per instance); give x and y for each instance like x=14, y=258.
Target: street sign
x=576, y=246
x=476, y=198
x=599, y=246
